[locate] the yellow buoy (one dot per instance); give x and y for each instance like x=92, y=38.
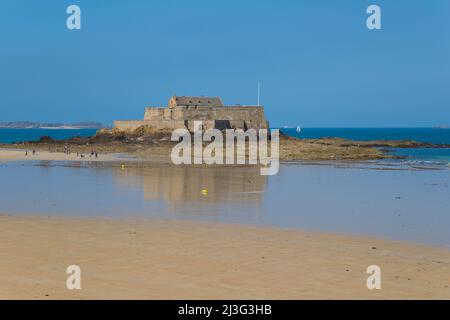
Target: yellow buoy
x=123, y=167
x=204, y=192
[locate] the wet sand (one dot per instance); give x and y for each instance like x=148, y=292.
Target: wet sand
x=160, y=259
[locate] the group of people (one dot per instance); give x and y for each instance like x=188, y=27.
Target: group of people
x=32, y=152
x=93, y=153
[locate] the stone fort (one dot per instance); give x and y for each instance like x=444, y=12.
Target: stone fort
x=183, y=111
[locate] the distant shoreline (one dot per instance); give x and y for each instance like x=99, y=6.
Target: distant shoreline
x=42, y=125
x=52, y=128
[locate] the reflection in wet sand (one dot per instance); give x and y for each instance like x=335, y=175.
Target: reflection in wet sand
x=400, y=204
x=196, y=190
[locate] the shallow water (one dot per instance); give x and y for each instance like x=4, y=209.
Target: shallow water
x=388, y=201
x=436, y=155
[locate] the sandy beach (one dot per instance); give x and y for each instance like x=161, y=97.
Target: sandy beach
x=19, y=155
x=151, y=258
x=159, y=259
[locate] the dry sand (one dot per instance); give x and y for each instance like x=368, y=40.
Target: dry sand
x=19, y=155
x=186, y=260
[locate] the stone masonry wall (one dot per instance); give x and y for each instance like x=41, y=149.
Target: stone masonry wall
x=183, y=117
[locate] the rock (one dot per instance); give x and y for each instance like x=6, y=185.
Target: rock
x=46, y=139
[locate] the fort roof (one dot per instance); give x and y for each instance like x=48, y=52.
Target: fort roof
x=195, y=101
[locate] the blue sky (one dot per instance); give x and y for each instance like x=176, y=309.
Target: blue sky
x=318, y=63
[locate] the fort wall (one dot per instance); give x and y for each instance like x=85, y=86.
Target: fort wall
x=131, y=125
x=213, y=116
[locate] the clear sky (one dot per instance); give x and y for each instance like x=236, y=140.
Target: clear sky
x=318, y=63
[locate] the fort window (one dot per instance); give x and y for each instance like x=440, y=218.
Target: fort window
x=222, y=124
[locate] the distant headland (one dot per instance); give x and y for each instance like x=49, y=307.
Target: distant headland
x=42, y=125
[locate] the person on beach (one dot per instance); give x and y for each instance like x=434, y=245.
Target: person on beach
x=34, y=152
x=26, y=153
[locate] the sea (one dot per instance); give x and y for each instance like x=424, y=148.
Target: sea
x=426, y=155
x=421, y=155
x=21, y=135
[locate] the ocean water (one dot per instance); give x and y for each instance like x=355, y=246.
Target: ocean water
x=21, y=135
x=437, y=136
x=431, y=135
x=393, y=202
x=432, y=155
